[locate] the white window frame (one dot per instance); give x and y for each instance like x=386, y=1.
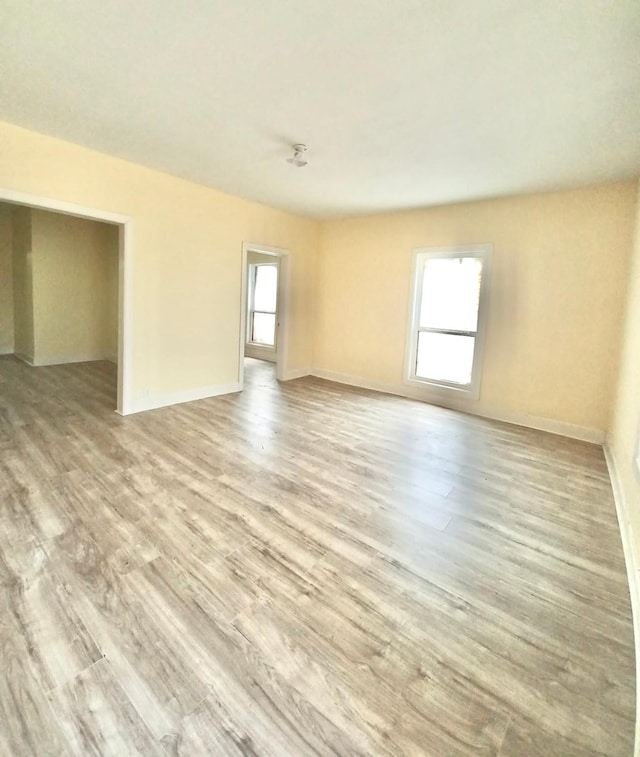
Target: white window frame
x=253, y=268
x=445, y=388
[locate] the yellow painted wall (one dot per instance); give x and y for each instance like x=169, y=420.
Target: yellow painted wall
x=187, y=258
x=22, y=284
x=624, y=436
x=74, y=314
x=6, y=280
x=560, y=267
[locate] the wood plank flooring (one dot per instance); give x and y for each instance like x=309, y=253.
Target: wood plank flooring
x=301, y=569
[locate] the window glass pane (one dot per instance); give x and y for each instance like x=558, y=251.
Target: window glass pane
x=451, y=293
x=266, y=288
x=264, y=329
x=445, y=357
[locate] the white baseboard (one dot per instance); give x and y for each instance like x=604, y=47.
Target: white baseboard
x=633, y=570
x=583, y=433
x=84, y=357
x=6, y=351
x=296, y=373
x=164, y=400
x=24, y=358
x=561, y=428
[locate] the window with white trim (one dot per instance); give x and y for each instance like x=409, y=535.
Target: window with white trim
x=447, y=318
x=263, y=302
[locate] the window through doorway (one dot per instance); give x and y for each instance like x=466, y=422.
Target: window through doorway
x=263, y=304
x=264, y=308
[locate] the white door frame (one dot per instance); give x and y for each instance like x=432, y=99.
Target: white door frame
x=282, y=323
x=125, y=282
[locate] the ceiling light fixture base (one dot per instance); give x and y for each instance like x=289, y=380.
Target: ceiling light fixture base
x=298, y=158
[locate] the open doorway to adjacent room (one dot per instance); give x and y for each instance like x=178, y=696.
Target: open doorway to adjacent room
x=263, y=329
x=62, y=297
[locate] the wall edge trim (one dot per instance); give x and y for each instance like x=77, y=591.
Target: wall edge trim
x=156, y=401
x=633, y=569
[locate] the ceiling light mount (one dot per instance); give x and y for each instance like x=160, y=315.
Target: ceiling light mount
x=298, y=158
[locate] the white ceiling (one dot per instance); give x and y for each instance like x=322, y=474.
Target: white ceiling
x=403, y=103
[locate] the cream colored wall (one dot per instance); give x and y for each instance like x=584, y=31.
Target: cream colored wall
x=6, y=280
x=22, y=284
x=187, y=258
x=251, y=350
x=72, y=297
x=624, y=435
x=560, y=266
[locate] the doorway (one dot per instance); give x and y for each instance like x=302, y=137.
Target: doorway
x=121, y=232
x=264, y=301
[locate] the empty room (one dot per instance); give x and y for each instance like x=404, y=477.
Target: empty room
x=320, y=378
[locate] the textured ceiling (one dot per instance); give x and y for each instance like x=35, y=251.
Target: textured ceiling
x=402, y=103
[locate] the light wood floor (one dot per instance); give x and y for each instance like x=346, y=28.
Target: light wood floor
x=302, y=569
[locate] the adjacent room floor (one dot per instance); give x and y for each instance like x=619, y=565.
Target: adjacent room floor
x=302, y=569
